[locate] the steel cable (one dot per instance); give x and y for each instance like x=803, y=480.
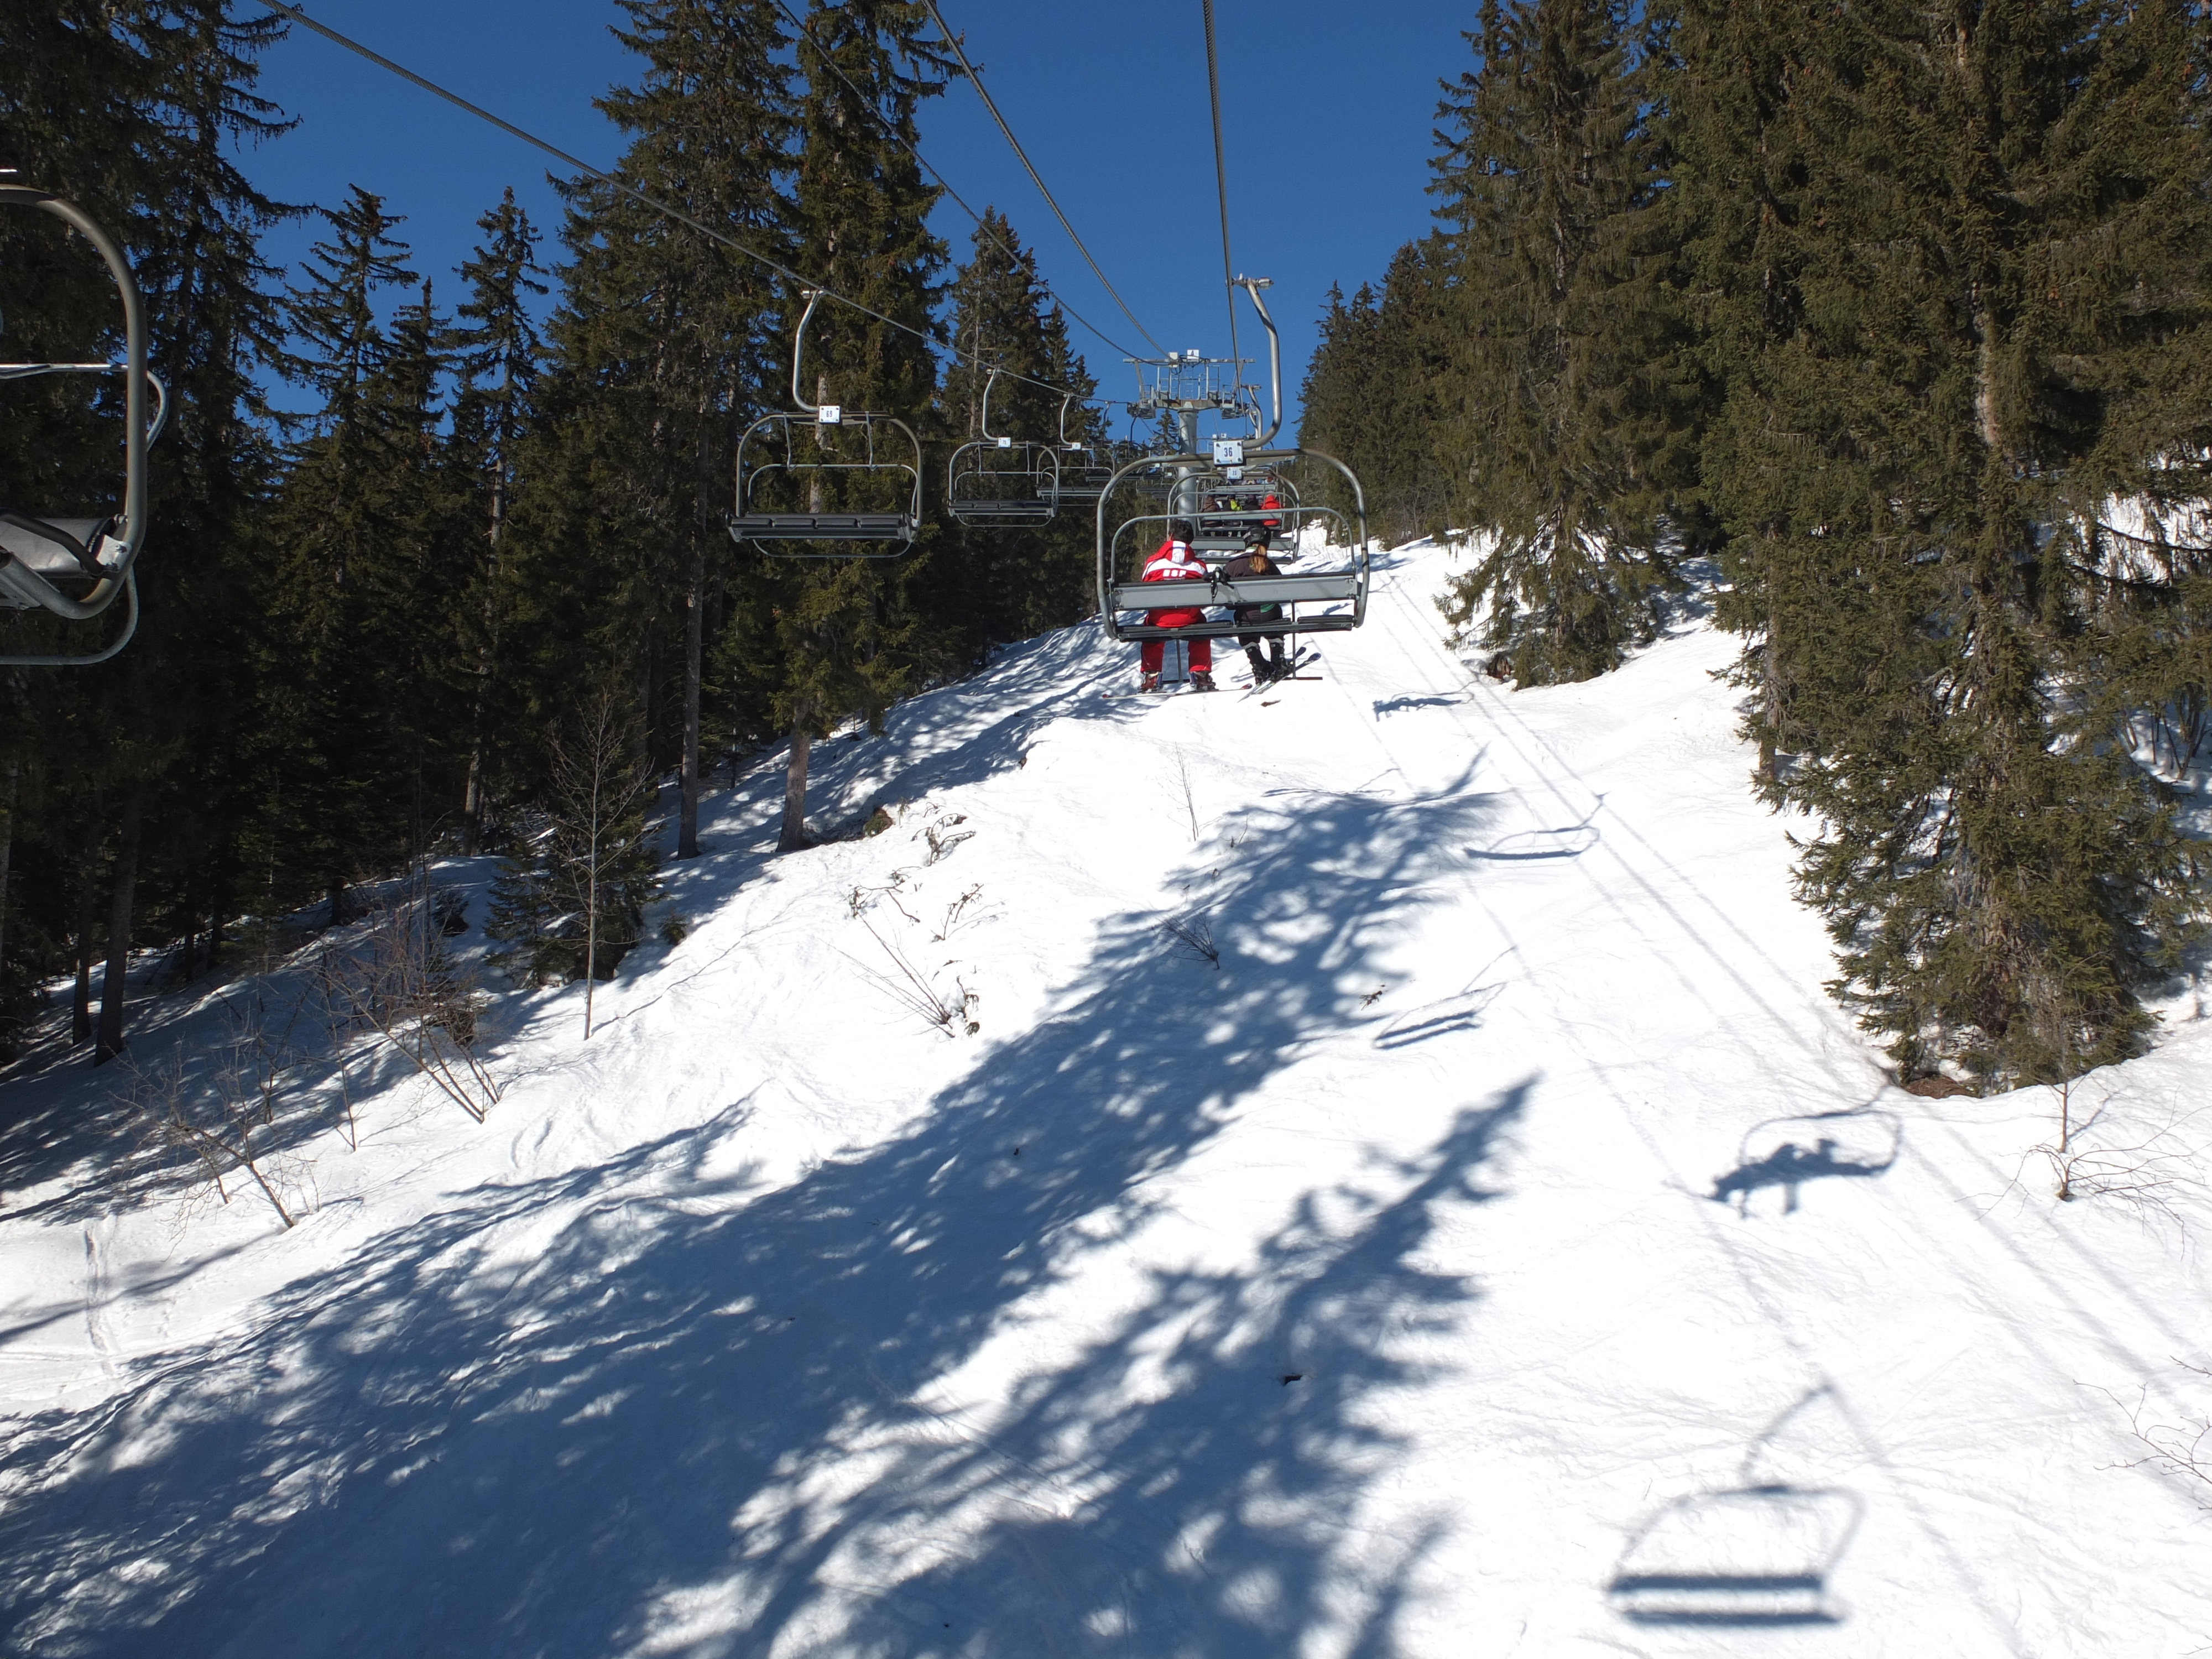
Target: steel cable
x=946, y=184
x=631, y=191
x=976, y=80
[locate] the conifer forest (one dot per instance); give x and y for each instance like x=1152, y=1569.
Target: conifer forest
x=710, y=951
x=1881, y=328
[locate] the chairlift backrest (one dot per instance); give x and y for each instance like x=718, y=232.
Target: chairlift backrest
x=78, y=567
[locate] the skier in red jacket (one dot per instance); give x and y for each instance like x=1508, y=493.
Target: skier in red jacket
x=1175, y=562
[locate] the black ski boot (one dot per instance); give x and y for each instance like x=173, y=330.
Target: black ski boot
x=1280, y=668
x=1260, y=675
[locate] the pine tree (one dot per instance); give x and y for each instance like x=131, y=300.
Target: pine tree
x=134, y=110
x=1956, y=258
x=1377, y=388
x=1553, y=434
x=500, y=356
x=345, y=728
x=1008, y=582
x=843, y=636
x=663, y=342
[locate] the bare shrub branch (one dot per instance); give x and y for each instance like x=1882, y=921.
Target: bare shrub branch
x=952, y=1014
x=391, y=976
x=1193, y=938
x=229, y=1121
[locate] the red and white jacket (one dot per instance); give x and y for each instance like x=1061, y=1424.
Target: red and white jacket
x=1175, y=562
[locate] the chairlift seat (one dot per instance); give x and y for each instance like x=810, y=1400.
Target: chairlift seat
x=824, y=528
x=25, y=539
x=1242, y=520
x=1322, y=587
x=1032, y=510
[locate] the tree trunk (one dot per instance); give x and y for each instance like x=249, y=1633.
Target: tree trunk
x=113, y=985
x=473, y=798
x=6, y=853
x=794, y=791
x=87, y=871
x=695, y=608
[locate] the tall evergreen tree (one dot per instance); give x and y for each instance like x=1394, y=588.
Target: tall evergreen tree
x=344, y=724
x=500, y=356
x=1555, y=431
x=134, y=110
x=1008, y=583
x=843, y=635
x=1377, y=388
x=1961, y=310
x=663, y=342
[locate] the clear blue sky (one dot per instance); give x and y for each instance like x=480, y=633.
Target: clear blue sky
x=1330, y=113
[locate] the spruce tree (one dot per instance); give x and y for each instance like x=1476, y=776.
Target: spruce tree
x=1010, y=582
x=1378, y=389
x=134, y=110
x=843, y=634
x=1958, y=304
x=500, y=356
x=341, y=728
x=1552, y=436
x=664, y=342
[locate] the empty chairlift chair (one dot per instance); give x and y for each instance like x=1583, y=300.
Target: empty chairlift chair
x=1001, y=482
x=72, y=566
x=786, y=463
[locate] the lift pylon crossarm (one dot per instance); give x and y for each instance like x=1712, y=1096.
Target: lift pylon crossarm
x=42, y=555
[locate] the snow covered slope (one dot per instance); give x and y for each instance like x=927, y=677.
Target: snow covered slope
x=1506, y=1249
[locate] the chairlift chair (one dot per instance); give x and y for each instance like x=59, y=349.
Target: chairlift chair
x=1233, y=509
x=784, y=455
x=1001, y=482
x=76, y=568
x=1314, y=601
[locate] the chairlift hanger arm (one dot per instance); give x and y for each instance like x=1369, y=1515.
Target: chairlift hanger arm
x=1252, y=285
x=799, y=349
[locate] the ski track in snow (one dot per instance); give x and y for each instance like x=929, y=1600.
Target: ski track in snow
x=1506, y=1248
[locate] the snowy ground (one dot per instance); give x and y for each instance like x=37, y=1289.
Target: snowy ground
x=1506, y=1250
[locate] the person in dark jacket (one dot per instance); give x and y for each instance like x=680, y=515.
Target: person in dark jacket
x=1254, y=562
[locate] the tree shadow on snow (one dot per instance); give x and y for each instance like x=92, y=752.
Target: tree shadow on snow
x=646, y=1407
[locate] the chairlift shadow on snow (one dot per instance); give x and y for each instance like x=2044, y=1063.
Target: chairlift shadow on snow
x=1400, y=705
x=1461, y=1012
x=1787, y=1152
x=647, y=1404
x=1569, y=842
x=1762, y=1553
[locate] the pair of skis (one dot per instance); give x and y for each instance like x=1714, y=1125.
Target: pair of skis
x=1303, y=659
